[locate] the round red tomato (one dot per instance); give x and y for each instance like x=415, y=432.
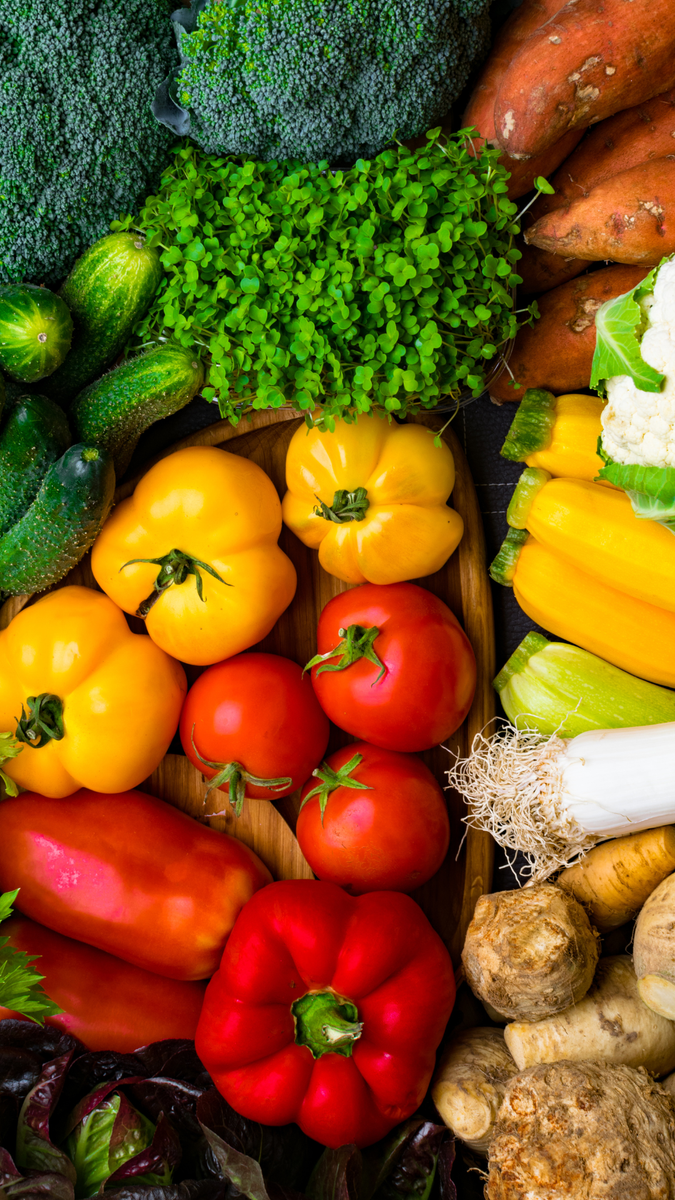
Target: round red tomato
x=254, y=723
x=385, y=821
x=407, y=686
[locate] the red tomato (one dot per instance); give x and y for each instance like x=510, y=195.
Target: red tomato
x=393, y=836
x=107, y=1003
x=256, y=723
x=416, y=685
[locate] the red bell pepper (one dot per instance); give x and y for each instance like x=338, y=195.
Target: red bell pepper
x=107, y=1003
x=327, y=1010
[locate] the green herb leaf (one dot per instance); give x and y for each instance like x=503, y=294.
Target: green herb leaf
x=20, y=988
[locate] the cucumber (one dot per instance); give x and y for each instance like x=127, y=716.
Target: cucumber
x=114, y=411
x=3, y=396
x=34, y=435
x=61, y=524
x=108, y=291
x=35, y=331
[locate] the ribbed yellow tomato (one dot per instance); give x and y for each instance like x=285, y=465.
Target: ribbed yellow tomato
x=94, y=704
x=371, y=496
x=194, y=552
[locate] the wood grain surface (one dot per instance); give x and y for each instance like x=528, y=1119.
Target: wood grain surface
x=450, y=897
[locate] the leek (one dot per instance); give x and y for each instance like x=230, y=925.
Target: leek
x=553, y=799
x=552, y=687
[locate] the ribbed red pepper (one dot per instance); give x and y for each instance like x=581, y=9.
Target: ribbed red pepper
x=327, y=1010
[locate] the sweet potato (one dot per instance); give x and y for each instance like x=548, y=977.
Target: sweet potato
x=623, y=141
x=556, y=352
x=541, y=271
x=629, y=218
x=480, y=111
x=590, y=60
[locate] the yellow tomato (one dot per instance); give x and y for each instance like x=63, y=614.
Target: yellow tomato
x=94, y=704
x=371, y=496
x=194, y=552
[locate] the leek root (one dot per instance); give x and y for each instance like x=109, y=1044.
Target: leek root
x=615, y=879
x=654, y=949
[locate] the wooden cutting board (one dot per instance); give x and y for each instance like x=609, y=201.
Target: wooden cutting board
x=450, y=897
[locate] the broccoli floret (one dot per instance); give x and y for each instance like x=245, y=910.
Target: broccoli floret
x=319, y=80
x=78, y=142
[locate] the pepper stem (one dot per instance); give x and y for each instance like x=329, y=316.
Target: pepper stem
x=331, y=780
x=357, y=642
x=42, y=723
x=236, y=777
x=326, y=1023
x=174, y=567
x=346, y=506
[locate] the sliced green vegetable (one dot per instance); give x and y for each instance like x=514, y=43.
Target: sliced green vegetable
x=619, y=325
x=503, y=567
x=532, y=427
x=553, y=687
x=20, y=989
x=530, y=483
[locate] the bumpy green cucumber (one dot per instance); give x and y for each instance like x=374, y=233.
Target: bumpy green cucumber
x=3, y=396
x=61, y=523
x=35, y=331
x=108, y=290
x=35, y=435
x=114, y=411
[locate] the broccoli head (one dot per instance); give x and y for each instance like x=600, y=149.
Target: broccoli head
x=79, y=144
x=318, y=80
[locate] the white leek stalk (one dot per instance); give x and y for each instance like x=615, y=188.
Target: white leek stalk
x=553, y=799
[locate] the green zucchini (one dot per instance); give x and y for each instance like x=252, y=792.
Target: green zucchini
x=34, y=435
x=114, y=411
x=35, y=331
x=108, y=291
x=61, y=524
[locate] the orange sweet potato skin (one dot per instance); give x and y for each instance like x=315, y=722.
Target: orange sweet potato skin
x=629, y=218
x=556, y=352
x=480, y=109
x=592, y=59
x=541, y=271
x=625, y=140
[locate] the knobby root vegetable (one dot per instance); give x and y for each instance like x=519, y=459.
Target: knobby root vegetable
x=610, y=1024
x=531, y=952
x=583, y=1130
x=615, y=879
x=556, y=352
x=553, y=798
x=669, y=1085
x=590, y=60
x=629, y=218
x=479, y=112
x=654, y=949
x=470, y=1082
x=625, y=140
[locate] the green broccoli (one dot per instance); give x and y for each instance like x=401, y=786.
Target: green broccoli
x=79, y=144
x=318, y=80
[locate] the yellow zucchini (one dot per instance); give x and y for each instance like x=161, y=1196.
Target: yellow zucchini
x=568, y=602
x=595, y=529
x=558, y=434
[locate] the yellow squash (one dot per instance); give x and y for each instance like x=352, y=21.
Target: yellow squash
x=634, y=635
x=93, y=704
x=194, y=553
x=371, y=497
x=558, y=434
x=596, y=529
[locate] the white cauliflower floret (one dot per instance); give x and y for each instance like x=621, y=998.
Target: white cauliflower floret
x=639, y=427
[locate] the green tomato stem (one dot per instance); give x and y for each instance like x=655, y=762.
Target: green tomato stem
x=237, y=777
x=357, y=642
x=174, y=567
x=331, y=780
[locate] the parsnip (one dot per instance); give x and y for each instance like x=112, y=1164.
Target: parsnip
x=470, y=1082
x=654, y=949
x=615, y=879
x=583, y=1131
x=610, y=1024
x=530, y=952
